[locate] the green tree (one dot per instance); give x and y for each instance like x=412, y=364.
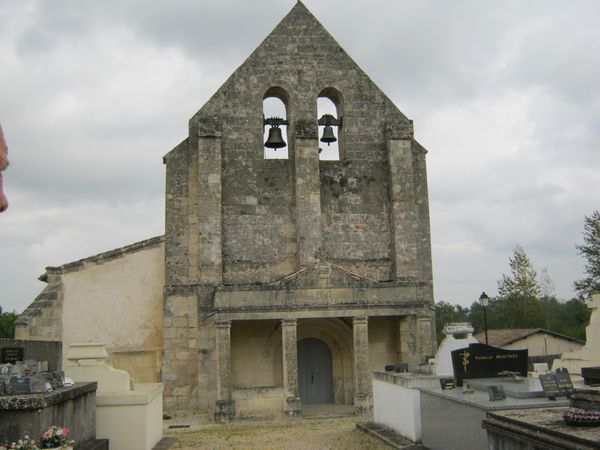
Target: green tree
x=590, y=250
x=522, y=282
x=7, y=324
x=518, y=304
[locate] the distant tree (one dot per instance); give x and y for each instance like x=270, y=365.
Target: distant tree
x=7, y=324
x=548, y=297
x=573, y=317
x=518, y=304
x=590, y=250
x=522, y=282
x=447, y=313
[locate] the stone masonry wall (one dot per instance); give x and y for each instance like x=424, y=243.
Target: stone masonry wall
x=42, y=319
x=236, y=221
x=274, y=211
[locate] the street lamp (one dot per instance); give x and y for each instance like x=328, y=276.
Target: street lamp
x=484, y=300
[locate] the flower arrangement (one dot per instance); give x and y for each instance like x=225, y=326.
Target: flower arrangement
x=55, y=437
x=23, y=444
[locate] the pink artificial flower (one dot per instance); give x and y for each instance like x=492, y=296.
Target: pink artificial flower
x=3, y=165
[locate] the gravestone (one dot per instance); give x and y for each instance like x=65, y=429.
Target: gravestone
x=496, y=392
x=446, y=383
x=11, y=355
x=13, y=350
x=556, y=384
x=591, y=375
x=485, y=361
x=19, y=385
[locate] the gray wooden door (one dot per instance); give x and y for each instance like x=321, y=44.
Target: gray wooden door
x=315, y=374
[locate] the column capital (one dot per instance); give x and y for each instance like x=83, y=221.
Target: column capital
x=223, y=323
x=359, y=320
x=289, y=322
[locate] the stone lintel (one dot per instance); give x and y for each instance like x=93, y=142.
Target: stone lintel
x=317, y=297
x=303, y=313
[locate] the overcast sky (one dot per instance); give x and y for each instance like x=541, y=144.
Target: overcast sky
x=504, y=94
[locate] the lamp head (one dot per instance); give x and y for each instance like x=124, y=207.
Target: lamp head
x=484, y=300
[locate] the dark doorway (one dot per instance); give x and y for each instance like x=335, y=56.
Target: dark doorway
x=315, y=374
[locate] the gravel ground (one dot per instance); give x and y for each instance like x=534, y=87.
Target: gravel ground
x=318, y=433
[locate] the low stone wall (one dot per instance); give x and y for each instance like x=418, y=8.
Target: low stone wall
x=73, y=407
x=258, y=401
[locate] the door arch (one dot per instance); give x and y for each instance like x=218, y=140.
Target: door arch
x=315, y=374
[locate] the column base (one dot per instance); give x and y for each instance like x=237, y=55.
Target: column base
x=292, y=406
x=363, y=404
x=224, y=410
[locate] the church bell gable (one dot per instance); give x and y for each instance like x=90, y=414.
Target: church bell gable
x=269, y=243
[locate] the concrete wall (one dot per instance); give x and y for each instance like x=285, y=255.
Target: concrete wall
x=397, y=401
x=397, y=408
x=131, y=420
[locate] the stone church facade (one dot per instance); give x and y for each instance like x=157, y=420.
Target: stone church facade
x=278, y=282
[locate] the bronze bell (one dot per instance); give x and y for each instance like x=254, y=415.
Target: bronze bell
x=275, y=140
x=328, y=136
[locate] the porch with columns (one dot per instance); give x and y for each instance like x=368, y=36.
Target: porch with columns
x=273, y=352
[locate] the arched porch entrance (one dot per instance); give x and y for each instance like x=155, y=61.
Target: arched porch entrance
x=315, y=372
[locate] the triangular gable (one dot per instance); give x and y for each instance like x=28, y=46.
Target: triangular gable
x=299, y=35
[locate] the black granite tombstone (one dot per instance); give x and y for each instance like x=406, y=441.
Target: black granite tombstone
x=11, y=355
x=447, y=383
x=485, y=361
x=591, y=375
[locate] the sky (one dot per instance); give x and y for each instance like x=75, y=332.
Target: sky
x=503, y=94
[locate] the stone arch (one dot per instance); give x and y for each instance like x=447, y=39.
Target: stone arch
x=275, y=103
x=335, y=99
x=337, y=334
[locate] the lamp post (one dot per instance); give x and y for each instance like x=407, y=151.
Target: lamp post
x=484, y=301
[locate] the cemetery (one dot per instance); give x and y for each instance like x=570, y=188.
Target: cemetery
x=488, y=399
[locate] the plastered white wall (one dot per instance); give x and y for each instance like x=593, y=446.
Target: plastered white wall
x=119, y=302
x=397, y=407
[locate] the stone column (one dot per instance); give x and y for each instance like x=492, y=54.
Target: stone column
x=408, y=341
x=289, y=345
x=224, y=408
x=417, y=340
x=362, y=376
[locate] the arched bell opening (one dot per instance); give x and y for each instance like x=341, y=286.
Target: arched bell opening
x=275, y=124
x=329, y=117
